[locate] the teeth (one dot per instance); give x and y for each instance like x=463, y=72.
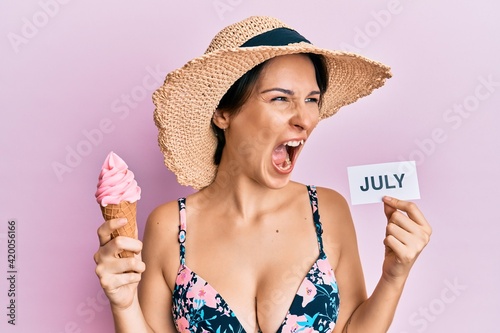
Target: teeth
x=286, y=165
x=294, y=143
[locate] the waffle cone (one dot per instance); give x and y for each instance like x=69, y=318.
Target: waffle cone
x=127, y=210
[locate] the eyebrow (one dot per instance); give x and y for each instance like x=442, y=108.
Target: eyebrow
x=289, y=92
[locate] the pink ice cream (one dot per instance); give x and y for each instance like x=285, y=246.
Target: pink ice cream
x=116, y=182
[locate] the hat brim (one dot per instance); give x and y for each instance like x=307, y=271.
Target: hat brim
x=189, y=96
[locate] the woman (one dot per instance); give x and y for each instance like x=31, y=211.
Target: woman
x=249, y=252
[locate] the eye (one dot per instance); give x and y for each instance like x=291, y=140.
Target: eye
x=279, y=99
x=312, y=100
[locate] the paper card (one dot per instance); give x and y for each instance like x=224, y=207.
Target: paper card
x=369, y=183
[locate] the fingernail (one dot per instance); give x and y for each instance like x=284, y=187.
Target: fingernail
x=387, y=199
x=122, y=221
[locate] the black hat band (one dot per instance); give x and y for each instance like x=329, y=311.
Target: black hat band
x=276, y=37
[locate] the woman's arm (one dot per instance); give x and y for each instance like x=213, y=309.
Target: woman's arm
x=341, y=247
x=146, y=309
x=161, y=255
x=407, y=233
x=119, y=277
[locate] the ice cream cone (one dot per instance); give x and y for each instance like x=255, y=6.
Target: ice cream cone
x=117, y=194
x=127, y=210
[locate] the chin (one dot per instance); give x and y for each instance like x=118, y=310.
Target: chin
x=272, y=179
x=277, y=183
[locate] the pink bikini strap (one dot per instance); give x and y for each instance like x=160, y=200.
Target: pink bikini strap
x=182, y=229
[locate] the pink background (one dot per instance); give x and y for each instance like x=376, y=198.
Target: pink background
x=78, y=76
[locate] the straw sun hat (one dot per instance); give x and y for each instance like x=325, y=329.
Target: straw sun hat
x=187, y=100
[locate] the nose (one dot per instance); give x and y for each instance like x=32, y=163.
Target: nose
x=304, y=117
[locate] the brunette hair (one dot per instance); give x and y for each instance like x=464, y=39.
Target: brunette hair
x=240, y=91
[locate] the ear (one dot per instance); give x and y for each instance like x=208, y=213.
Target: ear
x=221, y=118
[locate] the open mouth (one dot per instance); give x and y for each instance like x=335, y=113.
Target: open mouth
x=284, y=154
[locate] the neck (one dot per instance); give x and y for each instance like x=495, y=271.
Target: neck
x=241, y=196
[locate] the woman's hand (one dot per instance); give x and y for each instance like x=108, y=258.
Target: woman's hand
x=119, y=277
x=407, y=233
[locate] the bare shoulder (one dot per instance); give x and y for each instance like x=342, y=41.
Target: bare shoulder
x=163, y=217
x=161, y=247
x=162, y=222
x=160, y=253
x=333, y=206
x=338, y=229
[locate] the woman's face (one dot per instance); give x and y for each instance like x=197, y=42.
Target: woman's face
x=266, y=136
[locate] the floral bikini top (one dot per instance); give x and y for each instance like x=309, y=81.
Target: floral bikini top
x=198, y=307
